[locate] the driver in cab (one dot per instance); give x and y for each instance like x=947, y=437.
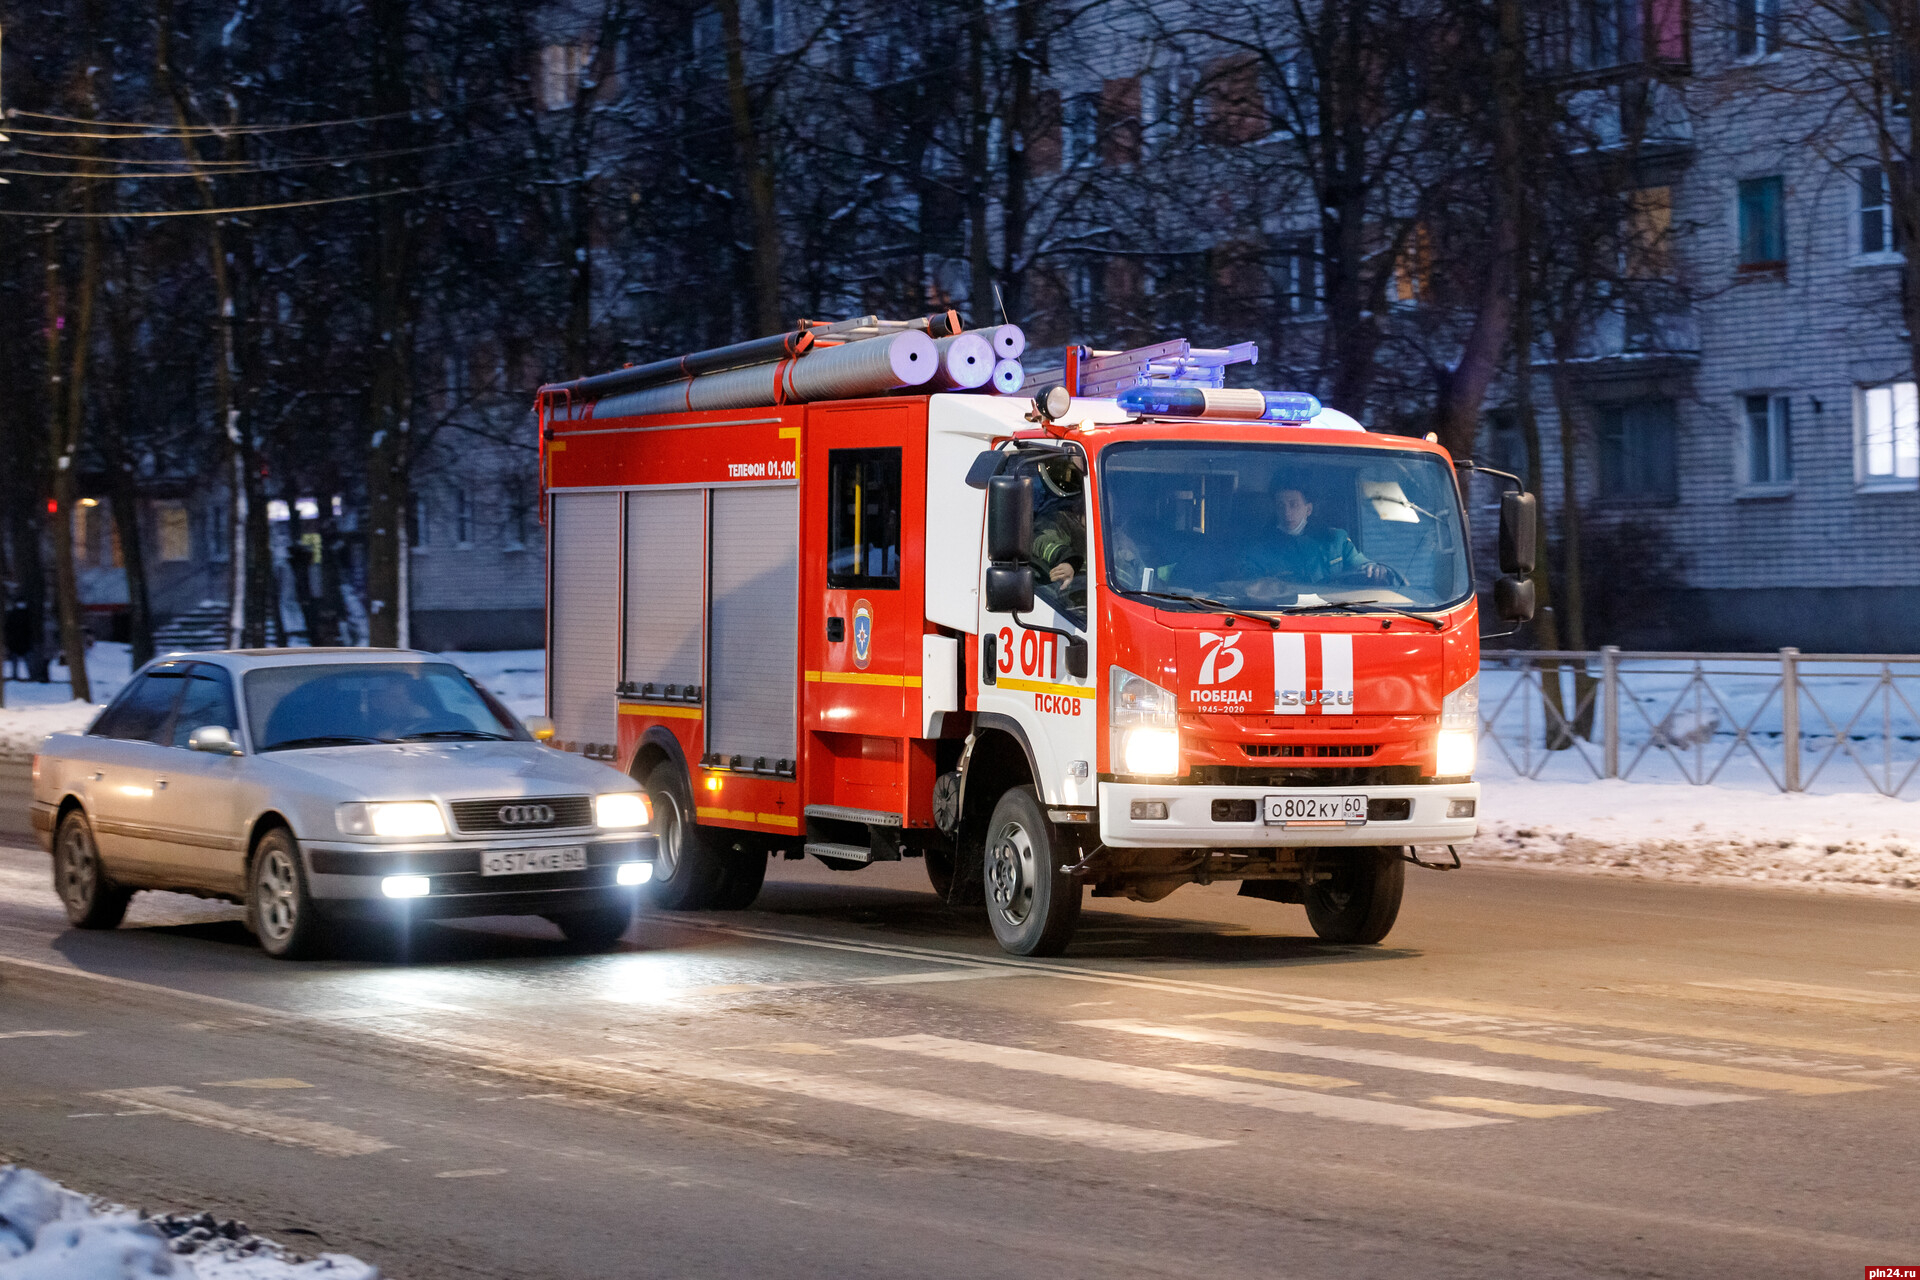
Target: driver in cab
x=1293, y=551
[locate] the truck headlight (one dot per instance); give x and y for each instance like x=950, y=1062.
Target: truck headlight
x=1454, y=752
x=1144, y=737
x=622, y=809
x=397, y=819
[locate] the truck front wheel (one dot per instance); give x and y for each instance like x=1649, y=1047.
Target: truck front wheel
x=1361, y=900
x=1033, y=905
x=688, y=869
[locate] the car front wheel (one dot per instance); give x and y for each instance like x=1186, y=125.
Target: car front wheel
x=91, y=899
x=278, y=904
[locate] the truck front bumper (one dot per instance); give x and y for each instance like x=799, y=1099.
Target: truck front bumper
x=1190, y=821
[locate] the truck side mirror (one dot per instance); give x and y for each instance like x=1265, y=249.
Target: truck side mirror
x=1009, y=588
x=1519, y=531
x=1513, y=598
x=1009, y=519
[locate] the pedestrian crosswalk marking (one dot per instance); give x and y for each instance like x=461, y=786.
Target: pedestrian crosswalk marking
x=1692, y=1072
x=917, y=1103
x=1300, y=1078
x=1158, y=1080
x=1520, y=1110
x=1556, y=1081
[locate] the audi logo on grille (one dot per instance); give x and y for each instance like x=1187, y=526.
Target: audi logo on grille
x=526, y=815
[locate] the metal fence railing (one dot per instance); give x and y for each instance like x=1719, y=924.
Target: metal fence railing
x=1800, y=722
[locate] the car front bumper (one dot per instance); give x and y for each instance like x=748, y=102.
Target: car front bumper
x=1190, y=824
x=345, y=879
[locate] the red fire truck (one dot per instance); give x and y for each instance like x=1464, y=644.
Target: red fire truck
x=1134, y=632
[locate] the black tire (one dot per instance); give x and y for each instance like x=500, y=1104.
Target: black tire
x=279, y=907
x=92, y=900
x=1033, y=907
x=597, y=929
x=741, y=877
x=1359, y=904
x=688, y=870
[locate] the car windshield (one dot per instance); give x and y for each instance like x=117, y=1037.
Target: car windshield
x=1282, y=526
x=337, y=704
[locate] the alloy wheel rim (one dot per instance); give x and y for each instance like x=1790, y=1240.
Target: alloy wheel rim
x=277, y=905
x=668, y=856
x=79, y=869
x=1010, y=874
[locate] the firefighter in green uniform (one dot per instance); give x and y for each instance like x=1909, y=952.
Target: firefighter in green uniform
x=1292, y=553
x=1059, y=554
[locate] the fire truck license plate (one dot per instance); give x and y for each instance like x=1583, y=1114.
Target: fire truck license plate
x=520, y=862
x=1285, y=809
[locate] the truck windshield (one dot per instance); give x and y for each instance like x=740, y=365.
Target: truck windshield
x=1279, y=526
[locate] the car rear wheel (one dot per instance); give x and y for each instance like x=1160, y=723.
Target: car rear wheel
x=1359, y=904
x=279, y=907
x=91, y=899
x=597, y=929
x=1033, y=905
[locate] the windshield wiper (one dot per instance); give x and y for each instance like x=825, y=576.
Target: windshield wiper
x=323, y=740
x=1364, y=606
x=455, y=735
x=1229, y=609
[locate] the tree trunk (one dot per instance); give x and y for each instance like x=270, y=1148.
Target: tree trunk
x=389, y=399
x=1553, y=716
x=1572, y=571
x=65, y=413
x=756, y=172
x=979, y=238
x=1013, y=209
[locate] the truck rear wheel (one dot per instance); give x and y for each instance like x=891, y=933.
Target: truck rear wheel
x=1360, y=902
x=1033, y=906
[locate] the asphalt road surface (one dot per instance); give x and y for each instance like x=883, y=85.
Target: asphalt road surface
x=1537, y=1075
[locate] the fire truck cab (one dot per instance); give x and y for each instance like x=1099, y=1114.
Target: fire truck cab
x=1116, y=641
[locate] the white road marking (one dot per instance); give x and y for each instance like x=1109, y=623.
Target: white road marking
x=291, y=1131
x=916, y=1103
x=1811, y=991
x=1556, y=1081
x=34, y=1035
x=1524, y=1110
x=469, y=1173
x=1156, y=1080
x=264, y=1082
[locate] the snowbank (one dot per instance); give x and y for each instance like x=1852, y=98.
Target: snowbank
x=23, y=728
x=1702, y=833
x=50, y=1233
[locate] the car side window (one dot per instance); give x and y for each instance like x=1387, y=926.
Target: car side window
x=208, y=701
x=144, y=710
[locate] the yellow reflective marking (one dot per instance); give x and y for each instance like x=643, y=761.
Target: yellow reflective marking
x=748, y=815
x=863, y=677
x=777, y=820
x=556, y=446
x=1698, y=1072
x=665, y=713
x=1524, y=1110
x=1303, y=1079
x=1692, y=1031
x=1040, y=686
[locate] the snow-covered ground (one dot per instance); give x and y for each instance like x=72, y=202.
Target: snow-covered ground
x=1657, y=825
x=50, y=1233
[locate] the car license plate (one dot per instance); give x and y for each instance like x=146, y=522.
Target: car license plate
x=1349, y=811
x=520, y=862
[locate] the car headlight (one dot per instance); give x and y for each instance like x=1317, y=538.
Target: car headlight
x=395, y=819
x=622, y=809
x=1145, y=739
x=1456, y=750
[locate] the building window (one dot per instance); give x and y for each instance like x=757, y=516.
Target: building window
x=1763, y=224
x=175, y=532
x=863, y=523
x=1637, y=450
x=1081, y=135
x=1413, y=269
x=1888, y=427
x=420, y=527
x=561, y=67
x=1649, y=234
x=463, y=518
x=1768, y=439
x=1879, y=234
x=519, y=518
x=1756, y=27
x=1296, y=283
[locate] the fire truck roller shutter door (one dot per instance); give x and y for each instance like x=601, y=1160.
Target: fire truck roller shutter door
x=752, y=659
x=665, y=548
x=585, y=611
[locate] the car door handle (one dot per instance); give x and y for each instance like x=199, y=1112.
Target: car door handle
x=159, y=784
x=96, y=776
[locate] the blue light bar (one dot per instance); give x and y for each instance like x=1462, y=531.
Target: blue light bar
x=1160, y=400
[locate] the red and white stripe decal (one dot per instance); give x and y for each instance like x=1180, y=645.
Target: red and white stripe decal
x=1299, y=691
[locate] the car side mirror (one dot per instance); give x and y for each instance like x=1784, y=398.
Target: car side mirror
x=540, y=727
x=1009, y=519
x=1519, y=531
x=1009, y=588
x=1513, y=598
x=215, y=739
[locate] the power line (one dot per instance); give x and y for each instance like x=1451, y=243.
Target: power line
x=56, y=216
x=220, y=168
x=174, y=132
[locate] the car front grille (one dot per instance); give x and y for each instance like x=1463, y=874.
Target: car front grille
x=523, y=815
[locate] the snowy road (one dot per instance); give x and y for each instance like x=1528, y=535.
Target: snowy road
x=1538, y=1075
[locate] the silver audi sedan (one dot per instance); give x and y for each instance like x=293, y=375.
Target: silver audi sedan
x=325, y=789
